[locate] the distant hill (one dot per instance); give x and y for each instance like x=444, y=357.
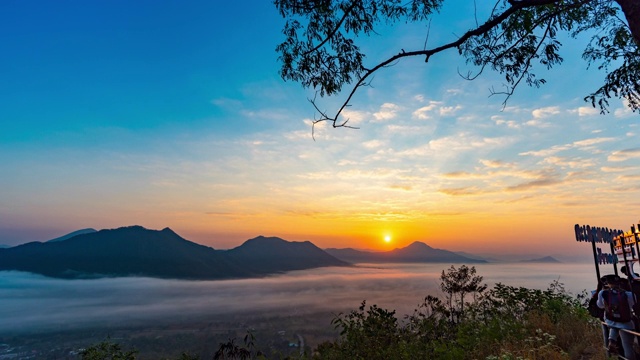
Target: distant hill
x=416, y=252
x=136, y=251
x=272, y=254
x=72, y=234
x=3, y=246
x=477, y=257
x=546, y=259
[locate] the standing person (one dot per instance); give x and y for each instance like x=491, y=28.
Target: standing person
x=617, y=304
x=597, y=312
x=633, y=284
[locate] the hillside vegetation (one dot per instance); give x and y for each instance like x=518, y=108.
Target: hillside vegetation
x=471, y=321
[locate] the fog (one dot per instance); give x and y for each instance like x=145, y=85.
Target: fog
x=30, y=302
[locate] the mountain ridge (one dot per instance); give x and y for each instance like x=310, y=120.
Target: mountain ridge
x=416, y=252
x=136, y=251
x=72, y=234
x=545, y=259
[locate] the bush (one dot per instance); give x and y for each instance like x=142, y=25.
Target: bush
x=500, y=323
x=503, y=323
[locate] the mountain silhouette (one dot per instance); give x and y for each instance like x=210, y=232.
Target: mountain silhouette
x=416, y=252
x=127, y=251
x=546, y=259
x=72, y=234
x=136, y=251
x=272, y=254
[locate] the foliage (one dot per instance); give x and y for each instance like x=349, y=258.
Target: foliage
x=457, y=283
x=518, y=38
x=501, y=323
x=231, y=351
x=108, y=350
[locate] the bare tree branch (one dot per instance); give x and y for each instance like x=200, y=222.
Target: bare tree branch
x=516, y=5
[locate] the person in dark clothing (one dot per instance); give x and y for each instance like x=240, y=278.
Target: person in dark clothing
x=618, y=305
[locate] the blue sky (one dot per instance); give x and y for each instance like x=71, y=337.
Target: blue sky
x=168, y=113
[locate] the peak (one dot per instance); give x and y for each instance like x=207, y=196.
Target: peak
x=131, y=227
x=262, y=238
x=168, y=230
x=418, y=244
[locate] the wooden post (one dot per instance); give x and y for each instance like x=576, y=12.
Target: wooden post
x=626, y=263
x=583, y=233
x=615, y=258
x=635, y=237
x=595, y=259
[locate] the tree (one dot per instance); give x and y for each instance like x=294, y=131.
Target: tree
x=456, y=284
x=320, y=49
x=108, y=350
x=231, y=351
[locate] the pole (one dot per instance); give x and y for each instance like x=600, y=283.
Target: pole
x=595, y=259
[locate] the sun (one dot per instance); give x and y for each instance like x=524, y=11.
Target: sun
x=387, y=238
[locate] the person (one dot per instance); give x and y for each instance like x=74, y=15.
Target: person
x=597, y=312
x=618, y=305
x=633, y=284
x=625, y=271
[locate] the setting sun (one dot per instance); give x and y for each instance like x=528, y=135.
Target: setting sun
x=387, y=238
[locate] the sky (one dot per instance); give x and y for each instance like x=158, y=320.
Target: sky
x=173, y=114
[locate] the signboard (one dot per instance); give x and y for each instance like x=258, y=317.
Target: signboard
x=616, y=246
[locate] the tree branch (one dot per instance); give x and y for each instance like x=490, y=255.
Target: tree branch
x=333, y=31
x=516, y=5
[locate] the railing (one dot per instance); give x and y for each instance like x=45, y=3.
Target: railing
x=627, y=331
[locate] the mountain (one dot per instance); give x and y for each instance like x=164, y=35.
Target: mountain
x=415, y=252
x=272, y=254
x=477, y=257
x=546, y=259
x=3, y=246
x=72, y=234
x=136, y=251
x=127, y=251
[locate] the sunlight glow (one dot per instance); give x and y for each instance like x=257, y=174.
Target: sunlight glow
x=387, y=238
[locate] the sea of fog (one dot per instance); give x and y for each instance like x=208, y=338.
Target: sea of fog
x=30, y=302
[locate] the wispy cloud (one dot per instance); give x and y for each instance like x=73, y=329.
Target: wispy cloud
x=227, y=103
x=545, y=112
x=463, y=191
x=461, y=175
x=634, y=177
x=387, y=111
x=406, y=129
x=624, y=155
x=586, y=144
x=591, y=142
x=624, y=111
x=373, y=144
x=534, y=184
x=569, y=162
x=587, y=111
x=512, y=124
x=495, y=163
x=538, y=123
x=449, y=110
x=610, y=169
x=424, y=113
